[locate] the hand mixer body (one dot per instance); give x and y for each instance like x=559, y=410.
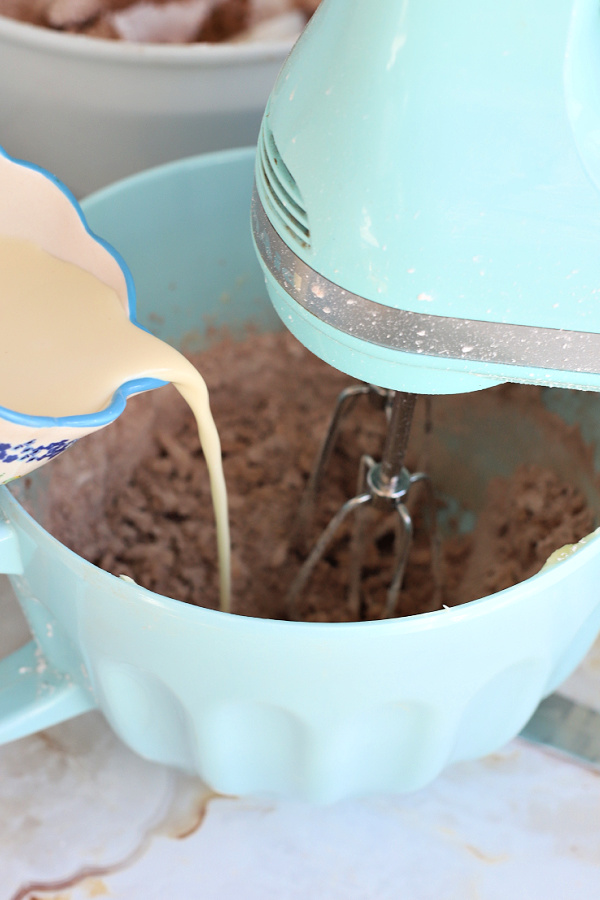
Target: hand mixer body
x=427, y=210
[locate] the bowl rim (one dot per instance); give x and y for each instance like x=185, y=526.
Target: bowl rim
x=77, y=45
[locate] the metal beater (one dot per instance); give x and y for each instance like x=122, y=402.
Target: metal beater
x=384, y=485
x=426, y=209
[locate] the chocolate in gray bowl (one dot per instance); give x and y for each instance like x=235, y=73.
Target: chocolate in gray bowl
x=92, y=111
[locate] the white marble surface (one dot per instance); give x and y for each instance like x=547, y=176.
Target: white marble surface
x=81, y=817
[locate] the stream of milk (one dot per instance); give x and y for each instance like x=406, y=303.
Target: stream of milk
x=67, y=344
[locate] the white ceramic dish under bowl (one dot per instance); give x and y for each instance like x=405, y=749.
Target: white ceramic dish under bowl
x=92, y=111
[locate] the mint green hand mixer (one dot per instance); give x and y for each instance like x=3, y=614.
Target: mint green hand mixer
x=427, y=212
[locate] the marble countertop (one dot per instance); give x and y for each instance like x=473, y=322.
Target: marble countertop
x=82, y=817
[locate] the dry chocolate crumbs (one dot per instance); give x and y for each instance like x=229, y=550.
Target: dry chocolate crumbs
x=147, y=514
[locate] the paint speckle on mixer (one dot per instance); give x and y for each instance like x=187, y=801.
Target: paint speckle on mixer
x=317, y=290
x=427, y=298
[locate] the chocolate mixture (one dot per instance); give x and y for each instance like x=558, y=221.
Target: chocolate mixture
x=167, y=21
x=134, y=498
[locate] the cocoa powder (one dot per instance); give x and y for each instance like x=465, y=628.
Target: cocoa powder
x=134, y=498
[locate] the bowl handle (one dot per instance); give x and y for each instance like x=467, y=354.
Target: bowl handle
x=33, y=695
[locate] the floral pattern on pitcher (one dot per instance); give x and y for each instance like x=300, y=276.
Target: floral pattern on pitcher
x=16, y=459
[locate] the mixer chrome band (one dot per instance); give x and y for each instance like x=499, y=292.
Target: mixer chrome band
x=419, y=333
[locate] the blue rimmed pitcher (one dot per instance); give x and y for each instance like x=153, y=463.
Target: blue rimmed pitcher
x=35, y=206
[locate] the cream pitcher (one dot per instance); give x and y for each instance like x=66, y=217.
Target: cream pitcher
x=37, y=208
x=71, y=350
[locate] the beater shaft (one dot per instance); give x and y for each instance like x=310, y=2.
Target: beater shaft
x=394, y=449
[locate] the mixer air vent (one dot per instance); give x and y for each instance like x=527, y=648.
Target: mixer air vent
x=278, y=190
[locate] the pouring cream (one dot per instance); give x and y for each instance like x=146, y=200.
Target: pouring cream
x=67, y=344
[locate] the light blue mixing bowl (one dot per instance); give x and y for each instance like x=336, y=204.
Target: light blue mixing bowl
x=318, y=711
